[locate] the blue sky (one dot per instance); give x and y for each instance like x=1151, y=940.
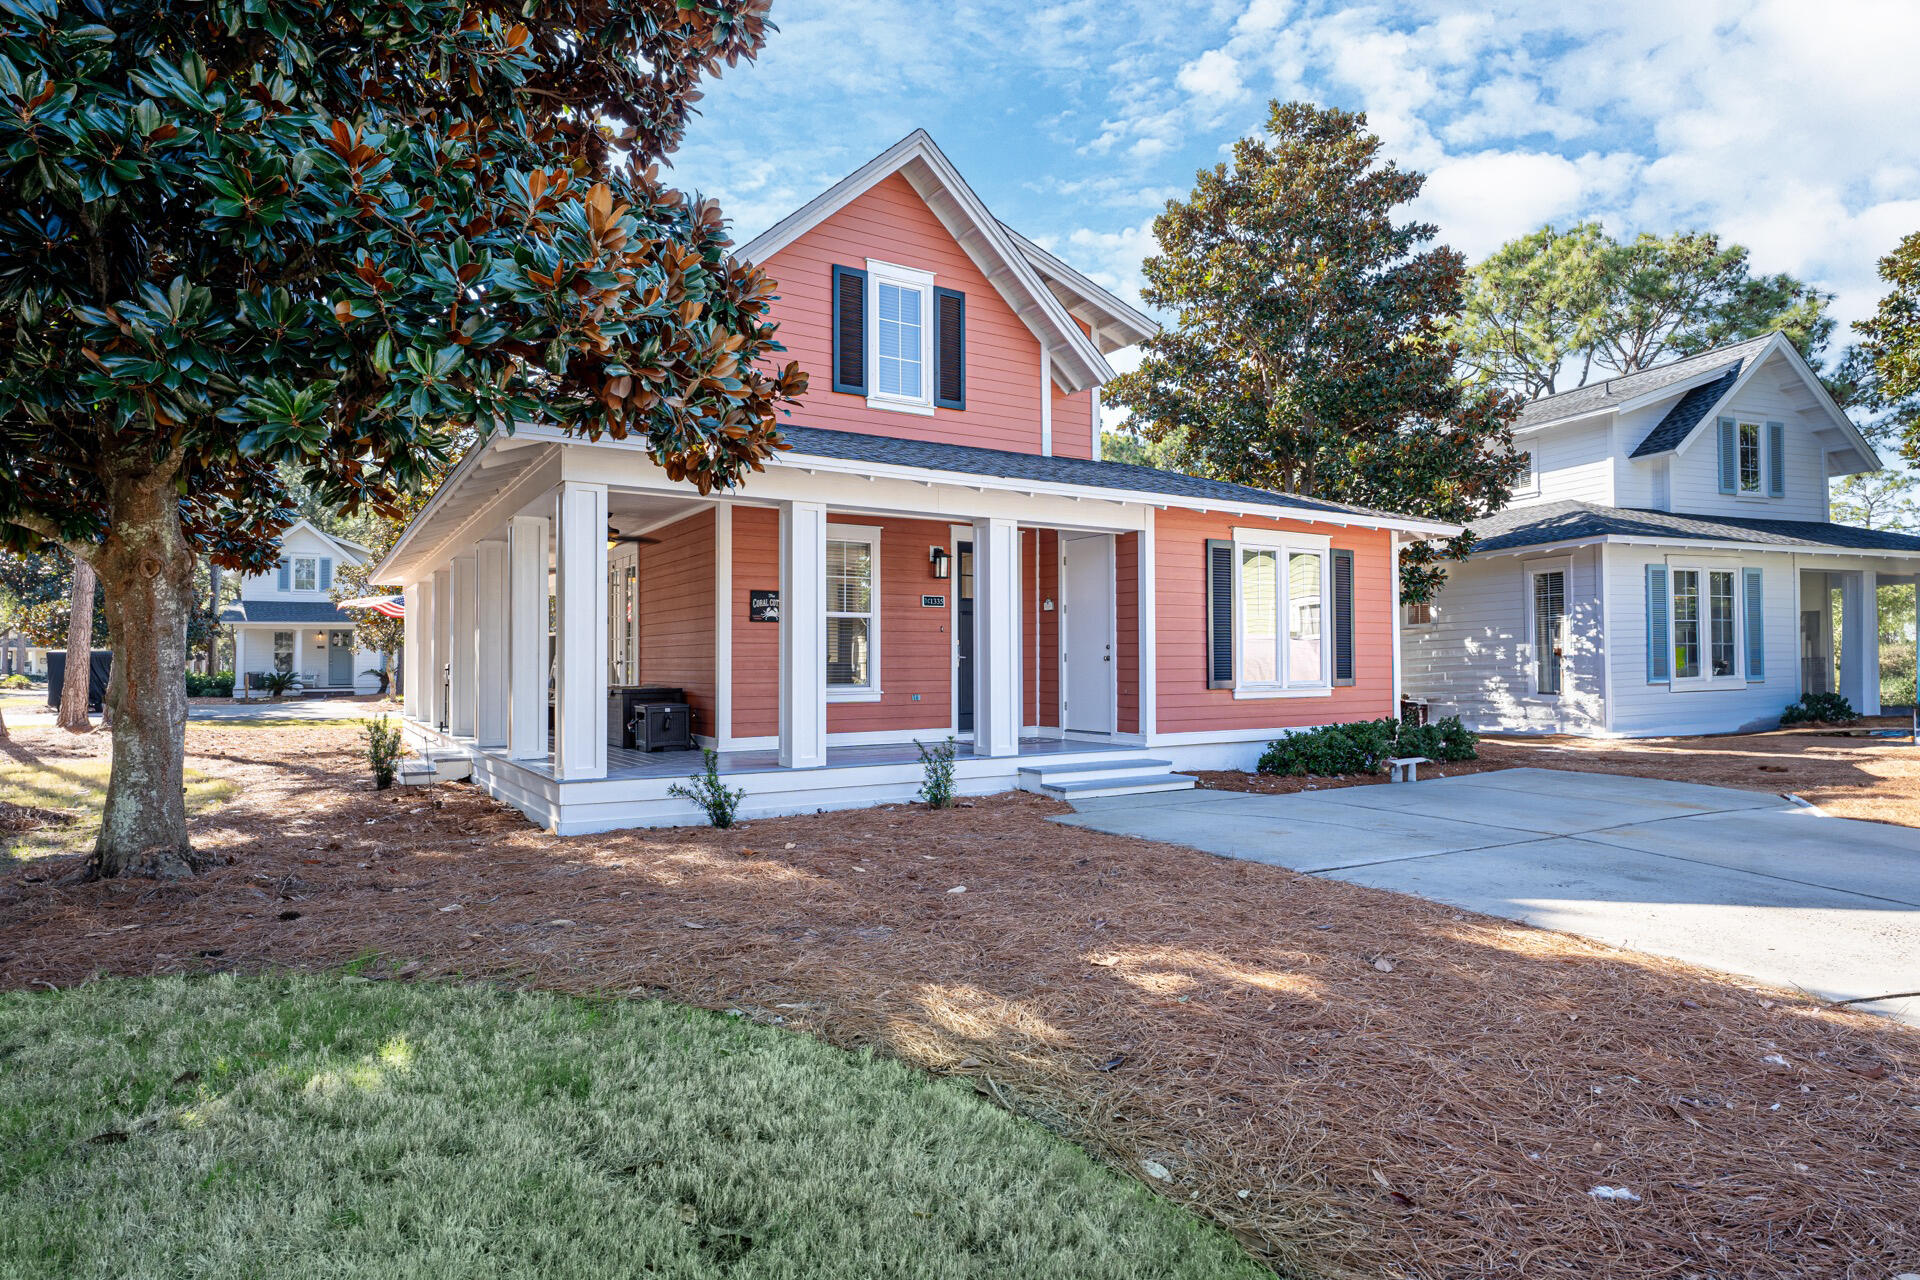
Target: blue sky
x=1791, y=126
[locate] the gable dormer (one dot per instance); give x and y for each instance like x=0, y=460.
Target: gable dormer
x=1746, y=429
x=921, y=316
x=307, y=562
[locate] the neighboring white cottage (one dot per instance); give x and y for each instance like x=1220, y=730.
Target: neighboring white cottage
x=285, y=619
x=1669, y=566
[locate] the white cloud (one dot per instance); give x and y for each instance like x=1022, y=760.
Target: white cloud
x=1214, y=74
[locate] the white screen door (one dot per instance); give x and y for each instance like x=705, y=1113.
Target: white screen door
x=1086, y=633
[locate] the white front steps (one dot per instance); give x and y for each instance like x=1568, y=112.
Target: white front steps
x=435, y=766
x=1065, y=778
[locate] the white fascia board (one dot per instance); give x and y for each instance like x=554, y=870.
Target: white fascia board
x=417, y=541
x=1582, y=416
x=1133, y=325
x=1042, y=312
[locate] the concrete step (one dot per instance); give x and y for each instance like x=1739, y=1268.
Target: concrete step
x=415, y=772
x=1142, y=784
x=1067, y=769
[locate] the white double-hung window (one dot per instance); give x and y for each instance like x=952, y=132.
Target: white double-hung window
x=853, y=613
x=1706, y=624
x=1282, y=604
x=306, y=573
x=900, y=300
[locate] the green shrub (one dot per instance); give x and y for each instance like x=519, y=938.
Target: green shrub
x=217, y=685
x=1364, y=746
x=274, y=682
x=705, y=789
x=1819, y=708
x=384, y=749
x=16, y=681
x=937, y=790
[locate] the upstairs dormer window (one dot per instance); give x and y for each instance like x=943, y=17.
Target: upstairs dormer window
x=898, y=339
x=306, y=573
x=1752, y=458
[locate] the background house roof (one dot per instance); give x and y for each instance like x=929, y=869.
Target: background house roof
x=1569, y=521
x=851, y=446
x=295, y=612
x=1598, y=397
x=1672, y=430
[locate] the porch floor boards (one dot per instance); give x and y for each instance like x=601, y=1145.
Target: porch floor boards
x=625, y=764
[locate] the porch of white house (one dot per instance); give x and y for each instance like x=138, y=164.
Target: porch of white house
x=1839, y=630
x=508, y=663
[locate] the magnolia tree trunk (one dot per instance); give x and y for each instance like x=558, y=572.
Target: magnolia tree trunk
x=147, y=569
x=77, y=685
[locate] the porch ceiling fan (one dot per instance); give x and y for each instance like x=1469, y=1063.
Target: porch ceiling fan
x=638, y=540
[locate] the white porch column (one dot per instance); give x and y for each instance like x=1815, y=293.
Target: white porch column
x=723, y=625
x=460, y=673
x=580, y=686
x=490, y=644
x=996, y=642
x=803, y=635
x=527, y=639
x=1869, y=701
x=410, y=647
x=442, y=644
x=1149, y=674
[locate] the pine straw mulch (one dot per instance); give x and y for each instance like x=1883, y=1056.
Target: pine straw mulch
x=1355, y=1082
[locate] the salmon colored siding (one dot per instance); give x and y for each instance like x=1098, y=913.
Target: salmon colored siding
x=891, y=223
x=676, y=613
x=916, y=642
x=756, y=645
x=1073, y=425
x=1126, y=626
x=1186, y=705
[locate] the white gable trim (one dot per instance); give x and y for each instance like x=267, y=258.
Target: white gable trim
x=353, y=551
x=1077, y=364
x=1778, y=346
x=1116, y=325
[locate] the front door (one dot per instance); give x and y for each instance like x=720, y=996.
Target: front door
x=340, y=659
x=963, y=635
x=1086, y=631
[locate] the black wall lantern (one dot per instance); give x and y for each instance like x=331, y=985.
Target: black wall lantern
x=941, y=562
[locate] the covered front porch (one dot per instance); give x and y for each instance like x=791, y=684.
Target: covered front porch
x=818, y=625
x=1853, y=623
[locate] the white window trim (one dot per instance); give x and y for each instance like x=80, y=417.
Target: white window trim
x=1758, y=492
x=293, y=573
x=1562, y=565
x=1529, y=486
x=879, y=272
x=871, y=691
x=1678, y=683
x=1284, y=544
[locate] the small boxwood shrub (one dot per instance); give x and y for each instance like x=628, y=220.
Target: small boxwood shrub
x=16, y=681
x=1819, y=708
x=217, y=685
x=1364, y=746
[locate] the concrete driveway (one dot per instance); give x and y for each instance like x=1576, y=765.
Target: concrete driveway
x=1737, y=880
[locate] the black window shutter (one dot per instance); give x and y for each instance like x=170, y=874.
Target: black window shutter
x=1342, y=617
x=850, y=330
x=950, y=348
x=1219, y=614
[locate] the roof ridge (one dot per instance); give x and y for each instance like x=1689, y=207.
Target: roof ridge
x=1606, y=384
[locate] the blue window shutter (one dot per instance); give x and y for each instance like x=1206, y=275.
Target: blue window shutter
x=1659, y=648
x=286, y=574
x=1219, y=613
x=326, y=573
x=1343, y=617
x=1777, y=459
x=1729, y=457
x=1756, y=626
x=949, y=348
x=850, y=330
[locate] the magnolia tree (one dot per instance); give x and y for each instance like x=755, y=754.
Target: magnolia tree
x=332, y=233
x=1308, y=351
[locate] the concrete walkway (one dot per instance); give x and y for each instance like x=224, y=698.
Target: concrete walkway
x=1735, y=880
x=253, y=709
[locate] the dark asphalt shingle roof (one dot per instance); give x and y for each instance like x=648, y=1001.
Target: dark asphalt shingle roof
x=298, y=612
x=850, y=446
x=1568, y=521
x=1597, y=396
x=1686, y=413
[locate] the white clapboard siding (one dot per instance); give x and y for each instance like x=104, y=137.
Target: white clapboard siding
x=1570, y=461
x=1475, y=659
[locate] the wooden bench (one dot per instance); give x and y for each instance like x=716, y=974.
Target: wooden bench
x=1405, y=768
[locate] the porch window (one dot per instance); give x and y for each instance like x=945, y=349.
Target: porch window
x=1706, y=625
x=853, y=624
x=283, y=651
x=1282, y=617
x=1750, y=457
x=306, y=573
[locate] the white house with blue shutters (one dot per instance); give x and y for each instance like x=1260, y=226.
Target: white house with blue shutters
x=285, y=620
x=1668, y=566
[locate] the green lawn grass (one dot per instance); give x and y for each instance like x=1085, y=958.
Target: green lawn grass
x=78, y=788
x=327, y=1127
